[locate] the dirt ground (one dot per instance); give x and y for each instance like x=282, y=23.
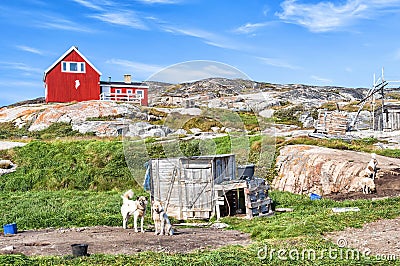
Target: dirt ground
x=380, y=238
x=388, y=185
x=115, y=240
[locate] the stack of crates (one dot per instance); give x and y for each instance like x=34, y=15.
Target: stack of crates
x=260, y=202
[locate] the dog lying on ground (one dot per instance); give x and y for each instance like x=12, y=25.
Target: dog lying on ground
x=161, y=221
x=137, y=208
x=368, y=185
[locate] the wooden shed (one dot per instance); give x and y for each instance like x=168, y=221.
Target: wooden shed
x=203, y=186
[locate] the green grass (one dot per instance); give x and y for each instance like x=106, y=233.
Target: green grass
x=101, y=165
x=289, y=115
x=55, y=130
x=65, y=164
x=312, y=218
x=64, y=208
x=300, y=229
x=232, y=255
x=8, y=130
x=250, y=121
x=104, y=118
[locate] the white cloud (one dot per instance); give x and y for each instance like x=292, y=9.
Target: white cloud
x=251, y=27
x=29, y=49
x=63, y=24
x=22, y=83
x=112, y=12
x=328, y=15
x=321, y=79
x=123, y=18
x=276, y=62
x=21, y=67
x=89, y=4
x=206, y=36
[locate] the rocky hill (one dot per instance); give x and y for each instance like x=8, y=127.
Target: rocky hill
x=222, y=87
x=107, y=118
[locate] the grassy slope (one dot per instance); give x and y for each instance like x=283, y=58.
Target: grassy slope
x=81, y=165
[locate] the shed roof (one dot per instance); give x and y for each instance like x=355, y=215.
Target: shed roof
x=73, y=48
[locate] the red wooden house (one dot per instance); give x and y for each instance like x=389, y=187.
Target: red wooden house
x=72, y=77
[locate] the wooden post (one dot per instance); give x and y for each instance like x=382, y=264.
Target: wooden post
x=247, y=202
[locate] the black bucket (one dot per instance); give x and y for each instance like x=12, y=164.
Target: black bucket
x=79, y=250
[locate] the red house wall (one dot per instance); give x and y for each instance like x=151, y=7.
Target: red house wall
x=60, y=85
x=144, y=101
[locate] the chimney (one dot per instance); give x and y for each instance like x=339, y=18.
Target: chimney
x=127, y=78
x=109, y=79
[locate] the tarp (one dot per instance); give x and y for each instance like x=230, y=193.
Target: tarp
x=146, y=183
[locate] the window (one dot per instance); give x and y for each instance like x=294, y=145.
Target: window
x=118, y=91
x=74, y=67
x=139, y=93
x=129, y=91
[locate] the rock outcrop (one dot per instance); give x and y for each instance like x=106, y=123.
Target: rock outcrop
x=304, y=169
x=103, y=118
x=82, y=111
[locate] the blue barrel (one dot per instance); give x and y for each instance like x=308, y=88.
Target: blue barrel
x=314, y=196
x=10, y=229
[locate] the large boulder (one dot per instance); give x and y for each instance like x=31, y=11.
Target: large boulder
x=304, y=169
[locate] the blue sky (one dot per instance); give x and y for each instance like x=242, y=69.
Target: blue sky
x=341, y=43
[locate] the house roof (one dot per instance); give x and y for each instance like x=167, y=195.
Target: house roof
x=73, y=48
x=124, y=84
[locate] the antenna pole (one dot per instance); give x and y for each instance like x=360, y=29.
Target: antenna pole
x=383, y=101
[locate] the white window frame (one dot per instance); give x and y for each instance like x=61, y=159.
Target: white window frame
x=129, y=91
x=141, y=94
x=66, y=67
x=118, y=91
